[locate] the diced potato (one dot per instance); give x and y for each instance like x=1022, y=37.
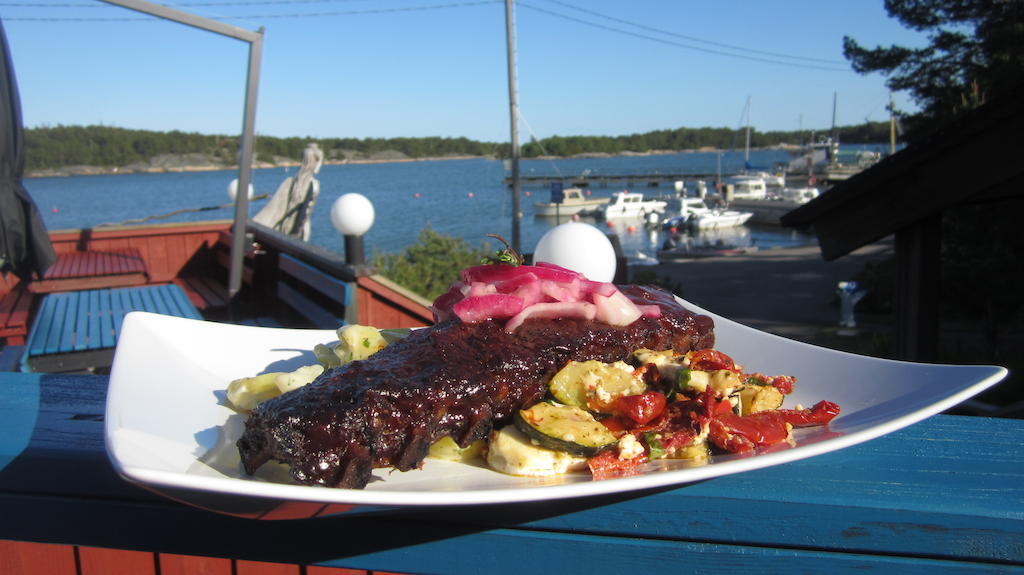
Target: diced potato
x=755, y=398
x=669, y=362
x=725, y=382
x=288, y=381
x=248, y=392
x=361, y=341
x=698, y=452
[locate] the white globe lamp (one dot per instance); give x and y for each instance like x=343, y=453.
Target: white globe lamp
x=233, y=189
x=352, y=215
x=579, y=247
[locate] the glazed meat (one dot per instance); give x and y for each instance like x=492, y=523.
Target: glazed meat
x=454, y=378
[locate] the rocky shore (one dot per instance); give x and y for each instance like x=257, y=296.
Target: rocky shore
x=202, y=163
x=196, y=162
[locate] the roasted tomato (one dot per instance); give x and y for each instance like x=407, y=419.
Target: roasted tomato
x=641, y=408
x=607, y=464
x=711, y=360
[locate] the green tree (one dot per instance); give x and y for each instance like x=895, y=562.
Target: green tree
x=429, y=266
x=975, y=53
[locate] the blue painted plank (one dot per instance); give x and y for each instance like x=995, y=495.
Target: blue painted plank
x=121, y=304
x=79, y=328
x=106, y=319
x=67, y=336
x=183, y=306
x=96, y=313
x=59, y=320
x=514, y=552
x=41, y=327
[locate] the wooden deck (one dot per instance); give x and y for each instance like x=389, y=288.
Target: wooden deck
x=89, y=269
x=285, y=283
x=79, y=329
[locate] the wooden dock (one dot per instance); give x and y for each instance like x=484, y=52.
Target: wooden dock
x=650, y=180
x=657, y=179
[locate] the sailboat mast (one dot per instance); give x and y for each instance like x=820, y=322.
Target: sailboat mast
x=513, y=103
x=892, y=125
x=746, y=149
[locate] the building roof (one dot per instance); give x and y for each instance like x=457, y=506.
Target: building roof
x=975, y=158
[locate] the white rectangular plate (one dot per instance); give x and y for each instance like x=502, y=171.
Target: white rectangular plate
x=167, y=426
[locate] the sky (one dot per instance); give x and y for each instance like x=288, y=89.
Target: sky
x=421, y=68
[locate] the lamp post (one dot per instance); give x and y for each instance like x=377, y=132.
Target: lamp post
x=352, y=215
x=233, y=189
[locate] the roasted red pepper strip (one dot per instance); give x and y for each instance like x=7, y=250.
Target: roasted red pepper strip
x=736, y=434
x=819, y=414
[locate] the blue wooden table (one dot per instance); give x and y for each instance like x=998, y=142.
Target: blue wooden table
x=944, y=495
x=79, y=329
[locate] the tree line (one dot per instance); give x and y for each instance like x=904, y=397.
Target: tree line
x=109, y=147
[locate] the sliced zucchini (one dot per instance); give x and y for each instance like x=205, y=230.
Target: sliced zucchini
x=511, y=451
x=594, y=385
x=565, y=428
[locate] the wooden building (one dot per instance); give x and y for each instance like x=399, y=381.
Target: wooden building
x=973, y=159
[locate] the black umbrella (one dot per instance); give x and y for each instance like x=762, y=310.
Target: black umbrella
x=24, y=242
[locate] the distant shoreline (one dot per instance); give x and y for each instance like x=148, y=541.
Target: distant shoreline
x=384, y=158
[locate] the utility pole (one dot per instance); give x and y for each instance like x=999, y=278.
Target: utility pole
x=513, y=104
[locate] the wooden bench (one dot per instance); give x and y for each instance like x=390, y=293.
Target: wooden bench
x=321, y=298
x=78, y=330
x=205, y=292
x=88, y=269
x=14, y=310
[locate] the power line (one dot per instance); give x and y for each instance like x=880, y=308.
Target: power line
x=685, y=37
x=680, y=44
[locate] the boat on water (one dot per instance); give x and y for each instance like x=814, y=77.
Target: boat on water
x=696, y=214
x=746, y=187
x=631, y=205
x=694, y=243
x=575, y=201
x=799, y=195
x=696, y=252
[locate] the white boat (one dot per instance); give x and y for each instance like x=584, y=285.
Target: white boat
x=799, y=195
x=746, y=188
x=631, y=205
x=696, y=214
x=575, y=201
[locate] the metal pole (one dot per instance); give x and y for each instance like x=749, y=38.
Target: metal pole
x=245, y=155
x=238, y=241
x=510, y=31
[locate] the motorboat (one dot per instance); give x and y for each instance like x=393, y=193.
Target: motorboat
x=746, y=187
x=574, y=202
x=631, y=205
x=799, y=195
x=696, y=214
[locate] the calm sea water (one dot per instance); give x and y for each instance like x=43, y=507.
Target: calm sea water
x=461, y=198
